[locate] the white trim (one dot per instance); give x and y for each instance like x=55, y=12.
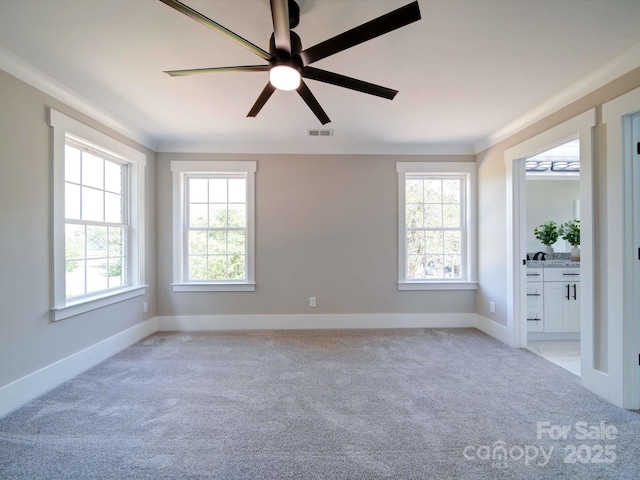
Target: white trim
x=494, y=329
x=214, y=287
x=181, y=169
x=624, y=371
x=35, y=77
x=305, y=321
x=437, y=286
x=73, y=309
x=63, y=126
x=615, y=68
x=29, y=387
x=577, y=127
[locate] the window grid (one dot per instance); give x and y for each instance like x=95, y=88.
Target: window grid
x=435, y=230
x=215, y=230
x=96, y=223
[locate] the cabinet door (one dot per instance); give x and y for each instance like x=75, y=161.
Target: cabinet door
x=557, y=306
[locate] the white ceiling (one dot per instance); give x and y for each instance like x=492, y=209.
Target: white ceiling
x=468, y=73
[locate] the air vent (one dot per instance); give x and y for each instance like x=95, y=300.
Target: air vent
x=320, y=133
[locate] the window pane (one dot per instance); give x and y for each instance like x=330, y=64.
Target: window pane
x=236, y=267
x=413, y=191
x=416, y=267
x=415, y=243
x=434, y=266
x=113, y=208
x=452, y=243
x=451, y=191
x=92, y=204
x=197, y=267
x=198, y=190
x=72, y=201
x=218, y=190
x=452, y=266
x=96, y=242
x=74, y=278
x=218, y=215
x=116, y=241
x=434, y=242
x=433, y=216
x=433, y=191
x=197, y=243
x=218, y=267
x=92, y=170
x=451, y=216
x=236, y=243
x=237, y=215
x=74, y=242
x=414, y=213
x=198, y=216
x=71, y=164
x=237, y=190
x=96, y=275
x=217, y=243
x=113, y=176
x=115, y=273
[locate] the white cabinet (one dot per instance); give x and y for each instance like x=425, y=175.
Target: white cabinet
x=561, y=300
x=535, y=300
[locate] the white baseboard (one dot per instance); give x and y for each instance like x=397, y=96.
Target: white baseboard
x=291, y=322
x=27, y=388
x=494, y=329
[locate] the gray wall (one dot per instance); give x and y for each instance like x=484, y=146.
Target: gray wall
x=29, y=340
x=326, y=226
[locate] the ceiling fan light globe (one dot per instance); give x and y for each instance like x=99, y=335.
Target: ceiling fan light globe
x=284, y=77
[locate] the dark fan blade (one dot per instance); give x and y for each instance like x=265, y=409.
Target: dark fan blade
x=313, y=104
x=190, y=12
x=348, y=82
x=198, y=71
x=281, y=32
x=262, y=99
x=379, y=26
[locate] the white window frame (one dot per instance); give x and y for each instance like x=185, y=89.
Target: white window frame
x=469, y=254
x=182, y=169
x=64, y=128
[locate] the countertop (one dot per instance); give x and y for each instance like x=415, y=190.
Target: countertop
x=552, y=264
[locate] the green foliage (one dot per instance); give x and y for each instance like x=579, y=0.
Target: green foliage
x=570, y=231
x=547, y=233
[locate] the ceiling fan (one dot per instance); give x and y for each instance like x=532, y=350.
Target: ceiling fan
x=288, y=63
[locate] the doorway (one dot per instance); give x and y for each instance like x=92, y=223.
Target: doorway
x=552, y=208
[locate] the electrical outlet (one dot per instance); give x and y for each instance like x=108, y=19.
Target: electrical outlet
x=492, y=307
x=312, y=301
x=145, y=307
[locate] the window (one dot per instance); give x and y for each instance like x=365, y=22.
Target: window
x=97, y=219
x=213, y=226
x=436, y=225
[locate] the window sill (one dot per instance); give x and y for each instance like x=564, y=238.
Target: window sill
x=437, y=285
x=214, y=287
x=78, y=307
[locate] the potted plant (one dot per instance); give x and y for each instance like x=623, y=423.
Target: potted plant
x=548, y=234
x=570, y=231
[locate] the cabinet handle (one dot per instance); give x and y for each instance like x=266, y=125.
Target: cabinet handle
x=575, y=292
x=533, y=294
x=533, y=319
x=568, y=292
x=571, y=274
x=533, y=274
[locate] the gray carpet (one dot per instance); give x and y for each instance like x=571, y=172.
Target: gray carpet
x=354, y=404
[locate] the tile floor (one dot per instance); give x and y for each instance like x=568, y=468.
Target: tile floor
x=565, y=353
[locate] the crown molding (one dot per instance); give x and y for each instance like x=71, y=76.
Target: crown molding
x=615, y=68
x=22, y=70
